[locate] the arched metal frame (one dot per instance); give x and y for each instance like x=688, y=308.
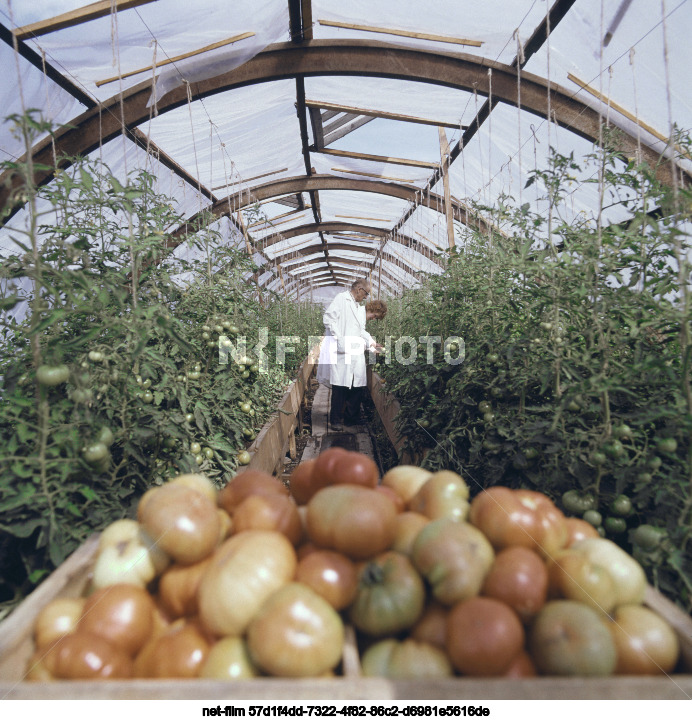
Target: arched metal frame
x=333, y=57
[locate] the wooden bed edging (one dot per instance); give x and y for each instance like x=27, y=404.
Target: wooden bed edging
x=276, y=437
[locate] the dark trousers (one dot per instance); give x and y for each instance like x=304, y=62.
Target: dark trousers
x=345, y=406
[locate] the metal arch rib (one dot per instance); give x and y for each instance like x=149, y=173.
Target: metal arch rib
x=337, y=57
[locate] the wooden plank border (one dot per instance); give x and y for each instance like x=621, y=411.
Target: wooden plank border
x=275, y=439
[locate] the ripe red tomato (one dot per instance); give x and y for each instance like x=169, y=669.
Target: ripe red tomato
x=246, y=484
x=178, y=588
x=323, y=470
x=272, y=512
x=300, y=481
x=519, y=578
x=484, y=636
x=431, y=627
x=356, y=521
x=355, y=468
x=330, y=574
x=519, y=518
x=82, y=655
x=122, y=614
x=179, y=652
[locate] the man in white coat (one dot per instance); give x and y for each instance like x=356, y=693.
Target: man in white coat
x=344, y=319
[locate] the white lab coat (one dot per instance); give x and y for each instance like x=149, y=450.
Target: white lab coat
x=342, y=361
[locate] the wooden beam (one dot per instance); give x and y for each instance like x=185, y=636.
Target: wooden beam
x=372, y=175
x=336, y=108
x=278, y=217
x=141, y=139
x=336, y=124
x=249, y=180
x=378, y=158
x=317, y=127
x=332, y=227
x=183, y=56
x=76, y=17
x=321, y=58
x=444, y=169
x=403, y=33
x=361, y=217
x=342, y=132
x=619, y=108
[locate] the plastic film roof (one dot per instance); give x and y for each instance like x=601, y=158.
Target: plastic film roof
x=319, y=126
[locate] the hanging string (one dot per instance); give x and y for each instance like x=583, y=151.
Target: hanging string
x=669, y=102
x=520, y=62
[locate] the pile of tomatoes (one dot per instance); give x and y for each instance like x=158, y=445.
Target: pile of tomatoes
x=259, y=579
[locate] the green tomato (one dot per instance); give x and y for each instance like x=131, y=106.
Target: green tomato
x=593, y=517
x=199, y=459
x=80, y=395
x=146, y=384
x=254, y=368
x=189, y=417
x=241, y=367
x=424, y=423
x=195, y=448
x=52, y=375
x=530, y=453
x=206, y=329
x=496, y=392
x=247, y=432
x=598, y=458
x=489, y=417
x=106, y=436
x=621, y=506
x=170, y=443
x=644, y=477
x=245, y=374
x=614, y=449
x=654, y=463
x=492, y=357
x=208, y=452
x=218, y=329
x=648, y=537
x=622, y=431
x=484, y=407
x=95, y=453
x=233, y=330
x=147, y=397
x=180, y=378
x=244, y=458
x=667, y=445
x=96, y=356
x=614, y=525
x=246, y=407
x=573, y=502
x=194, y=375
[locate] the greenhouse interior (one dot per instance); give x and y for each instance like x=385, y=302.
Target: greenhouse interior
x=200, y=203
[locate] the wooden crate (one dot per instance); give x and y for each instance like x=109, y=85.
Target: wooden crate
x=71, y=579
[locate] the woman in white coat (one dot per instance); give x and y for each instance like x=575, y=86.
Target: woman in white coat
x=344, y=321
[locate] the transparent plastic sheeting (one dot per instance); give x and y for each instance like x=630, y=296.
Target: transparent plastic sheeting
x=235, y=136
x=23, y=87
x=493, y=22
x=154, y=32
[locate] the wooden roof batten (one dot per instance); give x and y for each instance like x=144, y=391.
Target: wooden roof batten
x=347, y=57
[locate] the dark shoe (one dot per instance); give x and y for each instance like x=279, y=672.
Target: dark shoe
x=336, y=427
